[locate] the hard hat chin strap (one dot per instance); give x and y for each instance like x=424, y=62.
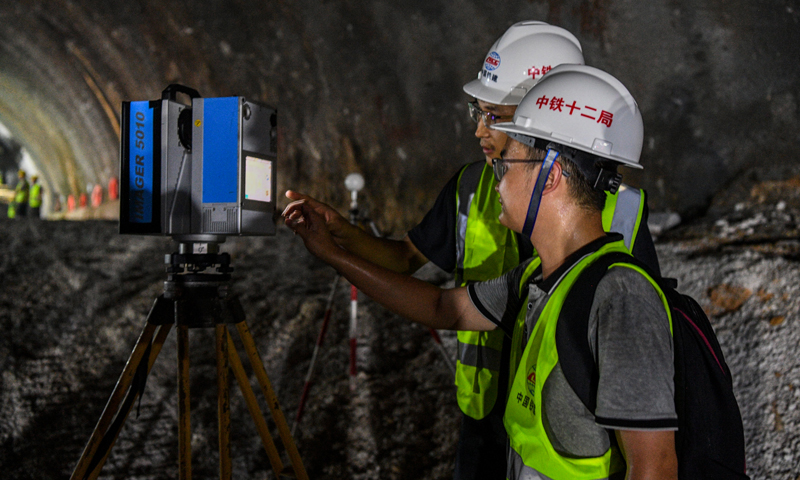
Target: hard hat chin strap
x=538, y=189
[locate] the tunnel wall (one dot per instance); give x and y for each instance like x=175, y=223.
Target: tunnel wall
x=375, y=86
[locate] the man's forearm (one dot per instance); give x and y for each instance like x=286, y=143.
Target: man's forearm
x=410, y=297
x=396, y=255
x=650, y=455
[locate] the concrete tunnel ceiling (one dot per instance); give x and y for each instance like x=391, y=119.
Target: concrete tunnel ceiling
x=51, y=105
x=375, y=86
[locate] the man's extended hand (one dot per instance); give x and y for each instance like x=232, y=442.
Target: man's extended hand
x=398, y=255
x=337, y=225
x=305, y=221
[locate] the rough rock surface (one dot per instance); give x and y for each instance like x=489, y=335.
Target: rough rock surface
x=376, y=86
x=74, y=296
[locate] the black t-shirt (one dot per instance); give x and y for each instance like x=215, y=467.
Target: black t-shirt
x=435, y=235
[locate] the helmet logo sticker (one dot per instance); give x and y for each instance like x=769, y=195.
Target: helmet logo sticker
x=533, y=71
x=558, y=104
x=492, y=61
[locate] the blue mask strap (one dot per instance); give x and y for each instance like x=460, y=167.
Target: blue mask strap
x=536, y=196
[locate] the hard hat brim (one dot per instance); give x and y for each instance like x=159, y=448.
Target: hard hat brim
x=511, y=127
x=477, y=89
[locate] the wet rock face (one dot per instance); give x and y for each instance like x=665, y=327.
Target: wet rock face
x=376, y=87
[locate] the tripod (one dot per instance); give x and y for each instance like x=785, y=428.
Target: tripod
x=194, y=297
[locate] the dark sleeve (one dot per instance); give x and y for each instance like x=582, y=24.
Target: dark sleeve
x=644, y=249
x=435, y=235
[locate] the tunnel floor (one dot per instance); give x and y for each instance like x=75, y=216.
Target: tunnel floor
x=74, y=297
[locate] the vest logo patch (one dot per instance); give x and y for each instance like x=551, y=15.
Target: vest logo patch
x=531, y=380
x=526, y=401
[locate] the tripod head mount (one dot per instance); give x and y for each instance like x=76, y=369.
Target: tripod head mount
x=198, y=259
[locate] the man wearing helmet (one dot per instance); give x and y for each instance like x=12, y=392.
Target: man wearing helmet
x=35, y=197
x=21, y=195
x=462, y=233
x=552, y=177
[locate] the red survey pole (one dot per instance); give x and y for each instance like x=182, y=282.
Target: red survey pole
x=353, y=329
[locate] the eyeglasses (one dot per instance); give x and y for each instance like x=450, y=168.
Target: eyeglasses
x=489, y=119
x=500, y=167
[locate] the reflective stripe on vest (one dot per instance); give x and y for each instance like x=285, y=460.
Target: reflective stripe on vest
x=35, y=195
x=623, y=213
x=485, y=249
x=479, y=356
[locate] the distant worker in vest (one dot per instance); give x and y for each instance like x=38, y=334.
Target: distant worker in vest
x=35, y=198
x=462, y=234
x=21, y=195
x=552, y=177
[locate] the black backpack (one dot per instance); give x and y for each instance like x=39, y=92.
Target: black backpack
x=710, y=439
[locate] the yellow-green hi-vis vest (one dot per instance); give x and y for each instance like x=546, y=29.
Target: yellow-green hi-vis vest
x=623, y=213
x=21, y=192
x=35, y=199
x=531, y=455
x=485, y=249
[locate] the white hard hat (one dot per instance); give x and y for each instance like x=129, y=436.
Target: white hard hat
x=584, y=108
x=519, y=58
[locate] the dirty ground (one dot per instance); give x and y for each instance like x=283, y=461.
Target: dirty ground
x=74, y=297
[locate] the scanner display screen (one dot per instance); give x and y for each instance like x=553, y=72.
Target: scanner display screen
x=258, y=179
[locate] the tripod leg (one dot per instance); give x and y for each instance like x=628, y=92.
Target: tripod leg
x=223, y=403
x=255, y=410
x=158, y=342
x=113, y=403
x=184, y=407
x=272, y=399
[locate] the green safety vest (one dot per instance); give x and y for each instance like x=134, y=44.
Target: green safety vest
x=486, y=249
x=35, y=195
x=21, y=195
x=531, y=455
